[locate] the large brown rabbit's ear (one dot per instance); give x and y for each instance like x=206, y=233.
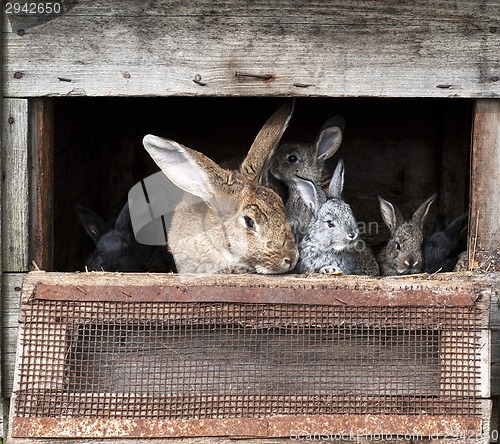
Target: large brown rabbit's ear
x=421, y=213
x=188, y=169
x=390, y=214
x=255, y=164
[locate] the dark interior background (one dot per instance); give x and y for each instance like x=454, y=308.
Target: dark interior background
x=401, y=149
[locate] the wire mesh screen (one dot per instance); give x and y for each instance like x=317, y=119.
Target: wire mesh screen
x=237, y=360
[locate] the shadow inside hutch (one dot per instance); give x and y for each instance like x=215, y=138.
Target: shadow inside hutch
x=401, y=149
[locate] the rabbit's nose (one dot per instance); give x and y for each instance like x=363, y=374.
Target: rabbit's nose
x=352, y=235
x=290, y=262
x=411, y=262
x=291, y=256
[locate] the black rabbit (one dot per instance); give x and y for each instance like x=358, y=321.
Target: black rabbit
x=117, y=249
x=442, y=248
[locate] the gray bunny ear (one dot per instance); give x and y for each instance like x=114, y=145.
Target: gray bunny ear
x=390, y=214
x=337, y=181
x=422, y=211
x=308, y=193
x=328, y=142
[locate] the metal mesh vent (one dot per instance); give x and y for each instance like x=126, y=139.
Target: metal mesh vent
x=222, y=360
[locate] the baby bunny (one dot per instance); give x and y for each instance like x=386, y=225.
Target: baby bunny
x=332, y=243
x=403, y=254
x=228, y=221
x=442, y=248
x=306, y=161
x=116, y=248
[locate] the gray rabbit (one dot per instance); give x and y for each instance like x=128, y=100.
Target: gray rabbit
x=305, y=161
x=403, y=252
x=332, y=242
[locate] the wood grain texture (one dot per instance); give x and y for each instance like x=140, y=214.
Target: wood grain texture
x=484, y=230
x=495, y=341
x=15, y=194
x=3, y=428
x=9, y=315
x=433, y=48
x=41, y=139
x=11, y=295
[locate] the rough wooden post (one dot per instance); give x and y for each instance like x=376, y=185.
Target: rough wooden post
x=15, y=193
x=484, y=218
x=41, y=125
x=2, y=430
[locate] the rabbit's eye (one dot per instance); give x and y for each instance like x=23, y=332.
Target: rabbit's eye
x=398, y=246
x=292, y=158
x=249, y=222
x=330, y=223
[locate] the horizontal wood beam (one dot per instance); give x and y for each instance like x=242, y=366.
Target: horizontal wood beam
x=432, y=48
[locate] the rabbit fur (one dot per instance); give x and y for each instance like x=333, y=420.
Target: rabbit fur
x=403, y=253
x=117, y=249
x=228, y=220
x=305, y=161
x=332, y=242
x=442, y=248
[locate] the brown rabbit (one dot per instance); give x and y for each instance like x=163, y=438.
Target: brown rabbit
x=228, y=222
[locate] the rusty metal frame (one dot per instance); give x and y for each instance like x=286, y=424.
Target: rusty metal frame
x=367, y=295
x=277, y=426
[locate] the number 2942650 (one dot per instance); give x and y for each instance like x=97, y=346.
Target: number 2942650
x=39, y=8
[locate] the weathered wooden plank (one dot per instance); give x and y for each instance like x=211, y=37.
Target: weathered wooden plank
x=15, y=194
x=2, y=429
x=41, y=236
x=495, y=341
x=433, y=48
x=484, y=231
x=10, y=290
x=10, y=305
